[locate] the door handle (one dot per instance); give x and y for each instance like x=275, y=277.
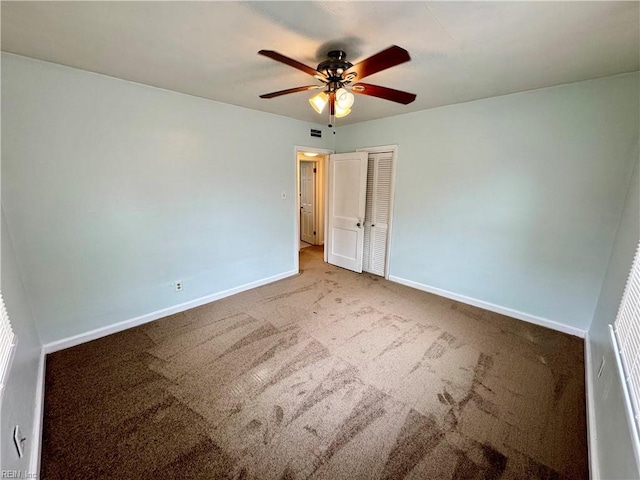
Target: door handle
x=358, y=224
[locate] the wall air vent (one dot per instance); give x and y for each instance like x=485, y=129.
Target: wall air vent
x=316, y=133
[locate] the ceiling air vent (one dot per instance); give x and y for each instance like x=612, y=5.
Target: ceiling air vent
x=316, y=133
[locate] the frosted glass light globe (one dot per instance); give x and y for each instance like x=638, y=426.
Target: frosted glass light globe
x=344, y=99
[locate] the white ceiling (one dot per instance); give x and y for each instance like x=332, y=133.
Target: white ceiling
x=460, y=51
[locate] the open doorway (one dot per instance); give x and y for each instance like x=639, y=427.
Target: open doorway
x=311, y=198
x=311, y=172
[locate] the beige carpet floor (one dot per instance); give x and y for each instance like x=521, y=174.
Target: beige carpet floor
x=325, y=375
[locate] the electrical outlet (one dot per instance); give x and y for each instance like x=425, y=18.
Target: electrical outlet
x=179, y=286
x=19, y=440
x=601, y=368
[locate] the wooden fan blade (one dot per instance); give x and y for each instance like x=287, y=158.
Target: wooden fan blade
x=397, y=96
x=388, y=58
x=291, y=62
x=290, y=90
x=332, y=103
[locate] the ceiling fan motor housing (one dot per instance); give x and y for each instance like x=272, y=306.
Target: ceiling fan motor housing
x=335, y=66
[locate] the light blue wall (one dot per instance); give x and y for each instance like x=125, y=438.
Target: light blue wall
x=613, y=443
x=512, y=200
x=114, y=190
x=19, y=401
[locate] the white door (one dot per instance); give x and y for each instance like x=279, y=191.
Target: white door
x=347, y=196
x=307, y=202
x=377, y=213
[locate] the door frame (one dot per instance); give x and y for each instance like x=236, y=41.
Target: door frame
x=394, y=153
x=325, y=168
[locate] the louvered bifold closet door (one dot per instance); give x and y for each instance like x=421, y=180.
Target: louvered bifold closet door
x=368, y=209
x=7, y=346
x=379, y=211
x=625, y=335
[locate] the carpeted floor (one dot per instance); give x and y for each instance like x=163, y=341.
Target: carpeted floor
x=326, y=375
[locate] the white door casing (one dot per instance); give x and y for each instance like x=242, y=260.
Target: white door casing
x=307, y=202
x=347, y=198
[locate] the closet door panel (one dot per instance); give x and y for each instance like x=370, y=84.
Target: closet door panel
x=368, y=215
x=377, y=212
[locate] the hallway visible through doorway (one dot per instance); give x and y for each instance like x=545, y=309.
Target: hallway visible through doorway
x=311, y=198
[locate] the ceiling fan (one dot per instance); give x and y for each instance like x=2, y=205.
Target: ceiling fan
x=337, y=76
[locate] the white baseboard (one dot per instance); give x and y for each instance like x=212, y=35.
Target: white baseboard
x=38, y=418
x=592, y=437
x=543, y=322
x=149, y=317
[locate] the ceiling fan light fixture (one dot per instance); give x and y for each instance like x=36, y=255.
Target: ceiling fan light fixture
x=319, y=101
x=344, y=99
x=336, y=72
